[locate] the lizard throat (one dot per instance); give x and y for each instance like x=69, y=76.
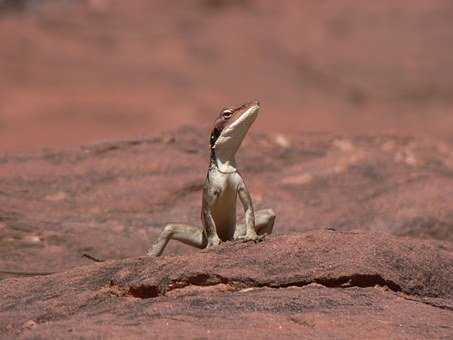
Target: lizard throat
x=223, y=166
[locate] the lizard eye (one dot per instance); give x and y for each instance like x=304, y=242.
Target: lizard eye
x=227, y=114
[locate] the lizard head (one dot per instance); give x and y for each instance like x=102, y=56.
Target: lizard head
x=231, y=127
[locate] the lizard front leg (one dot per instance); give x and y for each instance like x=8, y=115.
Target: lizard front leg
x=210, y=197
x=246, y=200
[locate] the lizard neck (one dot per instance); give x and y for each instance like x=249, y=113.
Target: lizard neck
x=225, y=166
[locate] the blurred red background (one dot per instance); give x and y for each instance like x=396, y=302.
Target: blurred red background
x=76, y=72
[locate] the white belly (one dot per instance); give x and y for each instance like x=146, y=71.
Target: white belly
x=224, y=210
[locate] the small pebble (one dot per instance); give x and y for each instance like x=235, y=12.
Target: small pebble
x=32, y=239
x=282, y=141
x=343, y=144
x=59, y=196
x=29, y=324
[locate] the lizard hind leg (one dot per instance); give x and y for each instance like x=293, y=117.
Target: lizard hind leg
x=264, y=224
x=184, y=233
x=264, y=221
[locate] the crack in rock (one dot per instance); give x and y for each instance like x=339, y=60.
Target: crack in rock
x=145, y=291
x=427, y=302
x=165, y=286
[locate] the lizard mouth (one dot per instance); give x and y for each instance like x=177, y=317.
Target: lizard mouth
x=234, y=114
x=231, y=136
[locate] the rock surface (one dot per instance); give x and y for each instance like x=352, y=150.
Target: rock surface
x=320, y=284
x=111, y=199
x=337, y=266
x=345, y=276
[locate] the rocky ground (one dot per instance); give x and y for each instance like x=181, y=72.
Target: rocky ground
x=337, y=266
x=353, y=150
x=320, y=285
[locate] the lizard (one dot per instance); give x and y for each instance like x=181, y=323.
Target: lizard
x=221, y=188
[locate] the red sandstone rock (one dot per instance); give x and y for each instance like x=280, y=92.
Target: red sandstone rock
x=70, y=75
x=317, y=285
x=111, y=199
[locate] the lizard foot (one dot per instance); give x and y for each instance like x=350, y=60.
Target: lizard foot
x=214, y=241
x=152, y=252
x=255, y=238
